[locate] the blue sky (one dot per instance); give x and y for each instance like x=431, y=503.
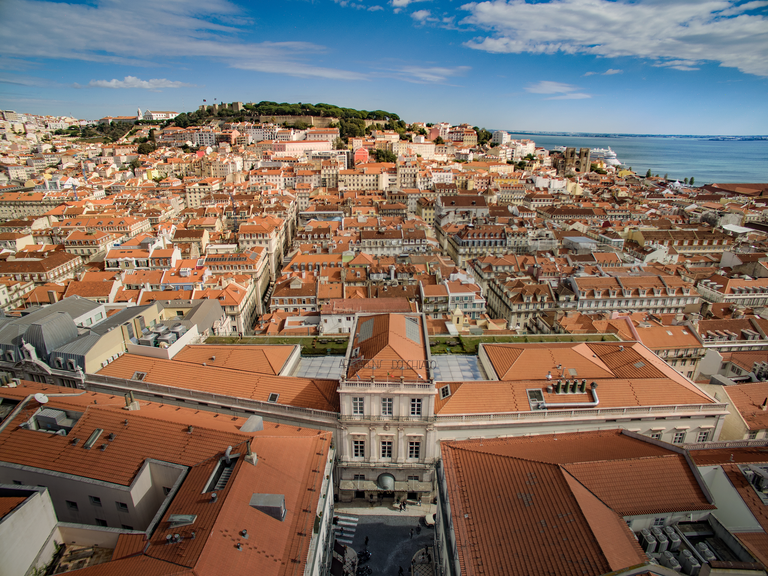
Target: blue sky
x=630, y=66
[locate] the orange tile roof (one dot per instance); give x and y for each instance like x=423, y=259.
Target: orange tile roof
x=757, y=543
x=747, y=399
x=388, y=353
x=300, y=392
x=9, y=503
x=290, y=462
x=627, y=374
x=514, y=516
x=259, y=359
x=726, y=455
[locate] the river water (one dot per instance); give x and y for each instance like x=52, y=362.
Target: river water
x=706, y=160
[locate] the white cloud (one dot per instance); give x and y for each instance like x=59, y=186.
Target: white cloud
x=609, y=72
x=358, y=5
x=693, y=31
x=685, y=65
x=398, y=5
x=429, y=74
x=133, y=82
x=421, y=15
x=570, y=96
x=549, y=87
x=558, y=90
x=404, y=3
x=144, y=32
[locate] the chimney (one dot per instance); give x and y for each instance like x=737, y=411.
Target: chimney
x=130, y=402
x=53, y=297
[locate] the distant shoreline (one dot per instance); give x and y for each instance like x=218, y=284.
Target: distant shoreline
x=713, y=137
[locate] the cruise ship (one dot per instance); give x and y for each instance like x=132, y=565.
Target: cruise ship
x=605, y=154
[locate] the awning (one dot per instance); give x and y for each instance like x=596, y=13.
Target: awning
x=339, y=548
x=337, y=568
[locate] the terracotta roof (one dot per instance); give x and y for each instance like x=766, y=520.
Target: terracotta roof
x=747, y=399
x=259, y=359
x=515, y=516
x=9, y=503
x=726, y=455
x=300, y=392
x=391, y=346
x=290, y=462
x=757, y=543
x=627, y=374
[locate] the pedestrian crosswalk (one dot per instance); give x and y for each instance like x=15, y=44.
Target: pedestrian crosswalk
x=345, y=528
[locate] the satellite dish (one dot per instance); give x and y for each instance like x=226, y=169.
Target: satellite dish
x=41, y=398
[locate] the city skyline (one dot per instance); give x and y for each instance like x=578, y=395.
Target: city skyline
x=560, y=65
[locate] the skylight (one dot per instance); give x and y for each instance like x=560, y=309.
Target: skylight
x=365, y=331
x=412, y=329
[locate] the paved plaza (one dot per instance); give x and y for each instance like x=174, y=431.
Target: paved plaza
x=395, y=539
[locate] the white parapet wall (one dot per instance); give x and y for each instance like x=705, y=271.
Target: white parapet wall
x=164, y=353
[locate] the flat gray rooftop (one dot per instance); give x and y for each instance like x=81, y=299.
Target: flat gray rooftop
x=457, y=368
x=323, y=367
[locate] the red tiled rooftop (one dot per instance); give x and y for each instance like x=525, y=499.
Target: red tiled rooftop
x=9, y=503
x=748, y=399
x=508, y=512
x=299, y=392
x=259, y=359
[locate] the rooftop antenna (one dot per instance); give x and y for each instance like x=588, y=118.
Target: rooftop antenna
x=41, y=398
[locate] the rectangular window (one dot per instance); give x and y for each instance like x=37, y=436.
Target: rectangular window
x=703, y=436
x=413, y=478
x=121, y=506
x=445, y=391
x=358, y=448
x=656, y=435
x=386, y=448
x=71, y=505
x=679, y=438
x=359, y=477
x=95, y=500
x=100, y=522
x=386, y=406
x=415, y=406
x=358, y=404
x=658, y=521
x=752, y=435
x=414, y=449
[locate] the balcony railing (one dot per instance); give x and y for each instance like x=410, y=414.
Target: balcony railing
x=555, y=414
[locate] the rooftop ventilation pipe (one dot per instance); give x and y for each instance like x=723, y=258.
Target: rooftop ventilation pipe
x=595, y=402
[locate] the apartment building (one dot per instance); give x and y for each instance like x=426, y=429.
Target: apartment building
x=655, y=294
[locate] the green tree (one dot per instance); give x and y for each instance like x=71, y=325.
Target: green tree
x=439, y=140
x=146, y=148
x=135, y=163
x=685, y=181
x=648, y=174
x=384, y=156
x=691, y=181
x=339, y=144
